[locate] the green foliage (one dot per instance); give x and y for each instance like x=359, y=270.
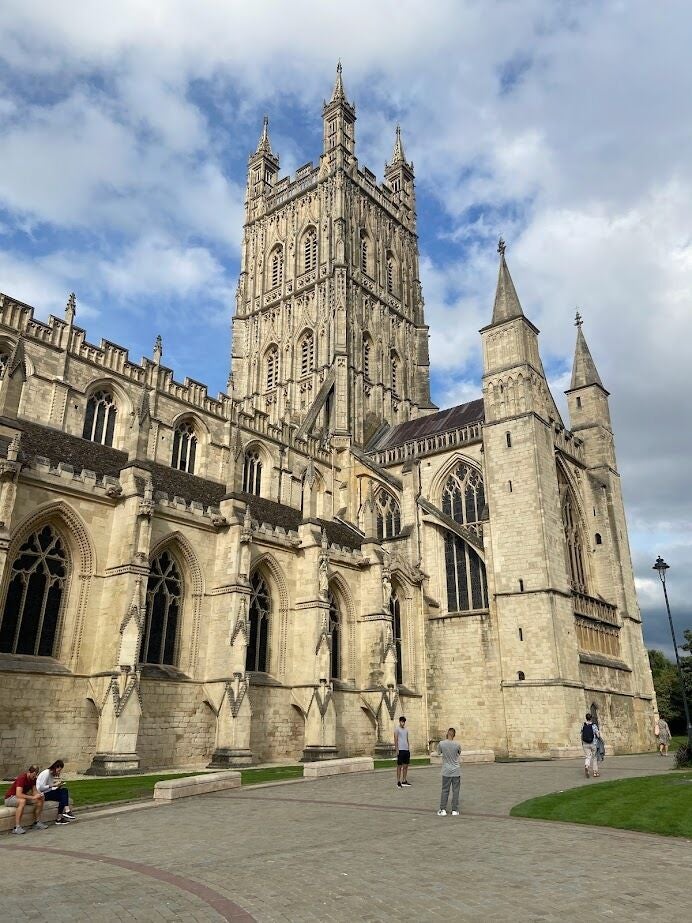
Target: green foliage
x=85, y=792
x=653, y=804
x=667, y=684
x=683, y=756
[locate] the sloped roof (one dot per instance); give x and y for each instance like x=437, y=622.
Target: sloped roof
x=441, y=422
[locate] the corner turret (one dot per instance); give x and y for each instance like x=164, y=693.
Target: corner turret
x=339, y=118
x=398, y=174
x=263, y=167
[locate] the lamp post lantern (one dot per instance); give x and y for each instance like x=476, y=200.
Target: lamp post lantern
x=661, y=567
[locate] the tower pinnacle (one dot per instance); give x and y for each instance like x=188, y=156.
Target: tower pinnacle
x=264, y=145
x=398, y=155
x=338, y=95
x=584, y=370
x=507, y=304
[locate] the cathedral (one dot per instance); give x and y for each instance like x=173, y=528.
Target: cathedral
x=278, y=573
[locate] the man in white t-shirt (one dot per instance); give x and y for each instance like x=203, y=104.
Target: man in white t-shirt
x=450, y=751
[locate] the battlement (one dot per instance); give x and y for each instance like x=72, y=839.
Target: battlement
x=110, y=357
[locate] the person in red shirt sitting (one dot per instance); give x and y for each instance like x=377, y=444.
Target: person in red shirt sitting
x=23, y=789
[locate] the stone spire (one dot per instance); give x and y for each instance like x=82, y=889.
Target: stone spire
x=264, y=145
x=584, y=370
x=398, y=155
x=71, y=308
x=338, y=95
x=507, y=304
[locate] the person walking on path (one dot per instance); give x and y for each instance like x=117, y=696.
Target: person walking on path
x=450, y=751
x=664, y=736
x=52, y=787
x=403, y=753
x=589, y=738
x=23, y=790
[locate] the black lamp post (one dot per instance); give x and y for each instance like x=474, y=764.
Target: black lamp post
x=662, y=567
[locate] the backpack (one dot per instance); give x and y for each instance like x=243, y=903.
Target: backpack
x=587, y=734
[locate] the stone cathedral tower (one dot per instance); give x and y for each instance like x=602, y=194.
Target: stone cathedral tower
x=329, y=331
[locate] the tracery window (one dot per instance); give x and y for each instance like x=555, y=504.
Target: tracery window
x=390, y=274
x=260, y=611
x=307, y=353
x=573, y=538
x=276, y=267
x=38, y=577
x=364, y=253
x=164, y=602
x=463, y=499
x=4, y=359
x=99, y=420
x=310, y=250
x=184, y=447
x=463, y=496
x=271, y=361
x=252, y=472
x=395, y=611
x=335, y=632
x=388, y=515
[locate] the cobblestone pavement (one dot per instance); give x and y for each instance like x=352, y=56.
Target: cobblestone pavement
x=351, y=848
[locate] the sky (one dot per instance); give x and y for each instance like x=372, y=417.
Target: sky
x=564, y=127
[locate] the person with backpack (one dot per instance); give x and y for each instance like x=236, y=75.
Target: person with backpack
x=589, y=741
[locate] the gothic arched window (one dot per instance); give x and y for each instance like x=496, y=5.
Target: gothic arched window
x=364, y=253
x=34, y=597
x=276, y=267
x=164, y=602
x=573, y=537
x=395, y=611
x=260, y=611
x=388, y=515
x=184, y=447
x=310, y=250
x=390, y=274
x=335, y=632
x=463, y=499
x=307, y=353
x=463, y=496
x=271, y=364
x=99, y=420
x=252, y=472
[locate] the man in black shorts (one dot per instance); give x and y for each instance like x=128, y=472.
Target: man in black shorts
x=403, y=753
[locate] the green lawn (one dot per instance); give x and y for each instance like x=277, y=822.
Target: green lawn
x=271, y=774
x=101, y=791
x=653, y=804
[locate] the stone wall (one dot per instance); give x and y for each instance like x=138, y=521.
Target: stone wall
x=44, y=718
x=277, y=726
x=177, y=727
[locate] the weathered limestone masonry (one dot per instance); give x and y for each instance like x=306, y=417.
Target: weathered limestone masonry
x=280, y=572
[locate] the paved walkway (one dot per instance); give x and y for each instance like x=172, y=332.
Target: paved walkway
x=351, y=848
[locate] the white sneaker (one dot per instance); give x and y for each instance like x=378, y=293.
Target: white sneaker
x=19, y=830
x=455, y=813
x=441, y=813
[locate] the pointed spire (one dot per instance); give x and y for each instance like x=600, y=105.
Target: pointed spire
x=398, y=155
x=338, y=93
x=264, y=145
x=71, y=308
x=158, y=349
x=507, y=304
x=584, y=371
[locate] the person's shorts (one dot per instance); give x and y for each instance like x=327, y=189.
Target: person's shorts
x=403, y=757
x=11, y=802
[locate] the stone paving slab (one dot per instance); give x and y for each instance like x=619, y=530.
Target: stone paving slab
x=354, y=848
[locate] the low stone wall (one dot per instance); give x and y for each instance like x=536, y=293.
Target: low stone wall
x=338, y=767
x=172, y=789
x=50, y=812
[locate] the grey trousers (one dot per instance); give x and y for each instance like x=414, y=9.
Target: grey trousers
x=453, y=782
